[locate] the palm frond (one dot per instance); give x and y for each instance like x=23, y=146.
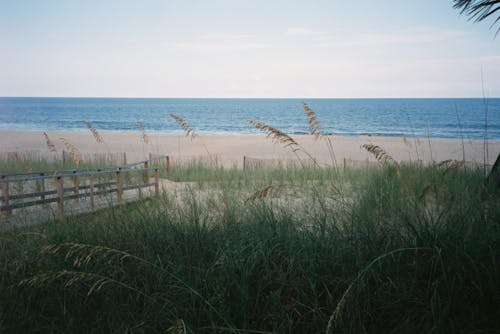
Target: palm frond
x=479, y=10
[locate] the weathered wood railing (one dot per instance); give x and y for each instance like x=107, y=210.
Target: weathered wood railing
x=114, y=184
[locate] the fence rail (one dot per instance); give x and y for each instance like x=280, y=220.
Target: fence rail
x=250, y=163
x=89, y=190
x=107, y=158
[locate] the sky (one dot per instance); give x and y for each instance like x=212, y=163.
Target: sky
x=252, y=48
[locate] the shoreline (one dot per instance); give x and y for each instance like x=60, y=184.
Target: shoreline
x=230, y=148
x=237, y=134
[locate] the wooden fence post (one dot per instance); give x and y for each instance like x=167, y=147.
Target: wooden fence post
x=157, y=182
x=146, y=172
x=119, y=185
x=60, y=196
x=5, y=195
x=167, y=163
x=91, y=190
x=75, y=184
x=244, y=162
x=124, y=158
x=42, y=186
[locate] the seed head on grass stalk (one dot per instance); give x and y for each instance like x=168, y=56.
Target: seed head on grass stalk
x=71, y=278
x=50, y=144
x=144, y=135
x=184, y=125
x=97, y=136
x=380, y=154
x=75, y=154
x=315, y=129
x=405, y=140
x=263, y=192
x=81, y=255
x=450, y=165
x=276, y=135
x=314, y=125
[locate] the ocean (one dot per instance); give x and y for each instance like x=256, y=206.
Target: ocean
x=436, y=118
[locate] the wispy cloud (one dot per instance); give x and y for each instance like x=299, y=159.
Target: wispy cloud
x=219, y=36
x=344, y=38
x=409, y=36
x=306, y=32
x=219, y=43
x=201, y=47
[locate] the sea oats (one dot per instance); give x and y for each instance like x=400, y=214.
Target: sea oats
x=405, y=140
x=95, y=133
x=450, y=164
x=144, y=135
x=314, y=125
x=184, y=125
x=380, y=154
x=75, y=154
x=263, y=192
x=315, y=130
x=276, y=135
x=50, y=144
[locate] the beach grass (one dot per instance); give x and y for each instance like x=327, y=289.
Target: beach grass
x=396, y=249
x=292, y=248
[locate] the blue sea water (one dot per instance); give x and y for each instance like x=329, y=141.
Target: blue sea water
x=439, y=118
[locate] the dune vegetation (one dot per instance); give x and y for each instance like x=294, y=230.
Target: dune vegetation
x=401, y=248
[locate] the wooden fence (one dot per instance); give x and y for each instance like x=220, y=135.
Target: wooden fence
x=114, y=158
x=115, y=183
x=210, y=161
x=250, y=163
x=104, y=158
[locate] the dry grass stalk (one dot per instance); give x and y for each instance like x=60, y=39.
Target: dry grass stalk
x=405, y=140
x=50, y=144
x=82, y=254
x=96, y=282
x=75, y=154
x=97, y=136
x=263, y=192
x=315, y=129
x=276, y=135
x=179, y=327
x=184, y=125
x=144, y=135
x=28, y=168
x=53, y=179
x=380, y=154
x=314, y=125
x=451, y=164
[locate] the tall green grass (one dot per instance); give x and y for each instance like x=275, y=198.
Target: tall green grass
x=390, y=250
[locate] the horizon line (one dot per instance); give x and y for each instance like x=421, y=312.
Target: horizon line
x=242, y=98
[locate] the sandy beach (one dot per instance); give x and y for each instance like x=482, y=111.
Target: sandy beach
x=230, y=149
